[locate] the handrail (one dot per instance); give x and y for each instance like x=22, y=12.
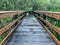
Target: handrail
x=55, y=15
x=50, y=25
x=7, y=27
x=54, y=38
x=10, y=33
x=47, y=24
x=1, y=12
x=5, y=14
x=47, y=12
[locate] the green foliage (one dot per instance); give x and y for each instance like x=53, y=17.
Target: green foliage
x=29, y=5
x=5, y=21
x=53, y=21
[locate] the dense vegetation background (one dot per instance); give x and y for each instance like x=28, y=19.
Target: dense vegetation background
x=49, y=5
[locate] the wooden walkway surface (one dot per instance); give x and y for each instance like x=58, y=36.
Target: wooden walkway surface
x=30, y=32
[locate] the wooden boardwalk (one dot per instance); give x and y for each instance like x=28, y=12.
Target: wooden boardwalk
x=30, y=32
